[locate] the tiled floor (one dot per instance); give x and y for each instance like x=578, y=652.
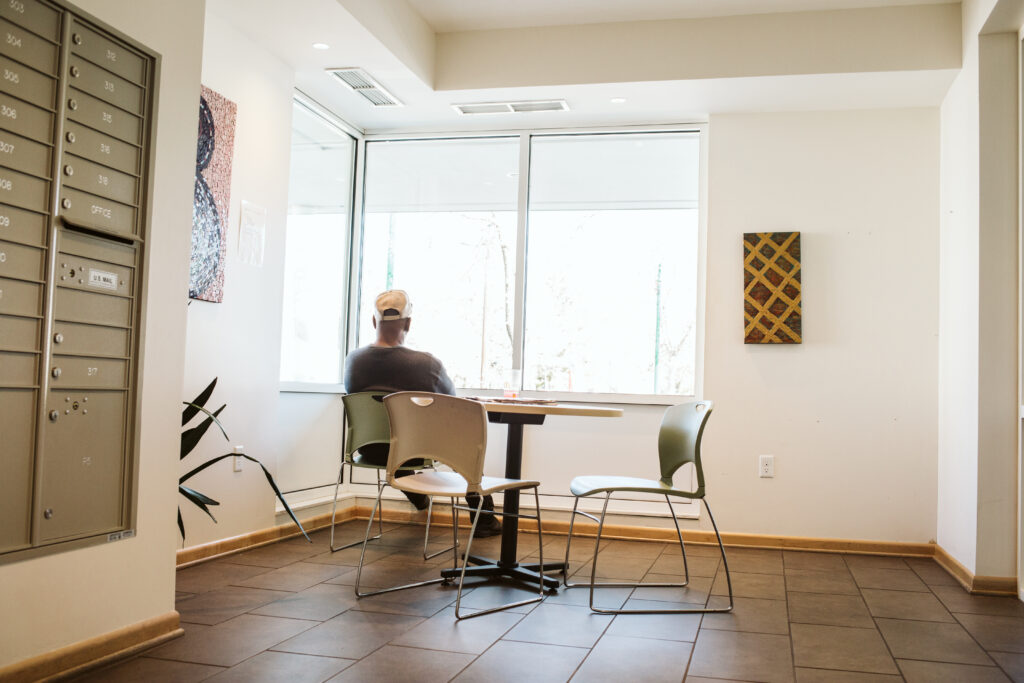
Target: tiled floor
x=287, y=612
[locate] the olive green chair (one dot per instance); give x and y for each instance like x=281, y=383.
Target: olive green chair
x=679, y=439
x=451, y=431
x=367, y=423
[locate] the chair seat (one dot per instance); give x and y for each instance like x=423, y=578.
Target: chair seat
x=587, y=485
x=452, y=485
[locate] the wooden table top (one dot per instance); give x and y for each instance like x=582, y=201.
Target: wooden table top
x=551, y=409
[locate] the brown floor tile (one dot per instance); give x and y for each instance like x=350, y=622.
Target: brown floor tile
x=560, y=625
x=622, y=567
x=618, y=658
x=231, y=642
x=385, y=573
x=696, y=592
x=679, y=627
x=842, y=648
x=444, y=632
x=829, y=610
x=875, y=562
x=425, y=601
x=1011, y=663
x=319, y=603
x=931, y=572
x=809, y=581
x=956, y=599
x=151, y=671
x=213, y=607
x=210, y=576
x=905, y=605
x=486, y=595
x=351, y=635
x=1002, y=634
x=633, y=548
x=282, y=667
x=700, y=550
x=581, y=549
x=931, y=641
x=349, y=557
x=605, y=598
x=888, y=579
x=767, y=586
x=698, y=566
x=742, y=656
x=701, y=679
x=294, y=577
x=827, y=676
x=754, y=561
x=405, y=665
x=752, y=615
x=275, y=555
x=511, y=662
x=940, y=672
x=828, y=562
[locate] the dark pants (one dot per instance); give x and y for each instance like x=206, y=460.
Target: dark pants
x=377, y=454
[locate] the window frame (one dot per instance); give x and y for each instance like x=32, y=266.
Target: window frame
x=525, y=136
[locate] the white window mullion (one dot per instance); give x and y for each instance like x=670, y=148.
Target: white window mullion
x=522, y=215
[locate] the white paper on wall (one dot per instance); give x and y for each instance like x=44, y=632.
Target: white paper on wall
x=252, y=230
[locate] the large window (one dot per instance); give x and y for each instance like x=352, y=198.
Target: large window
x=316, y=248
x=571, y=257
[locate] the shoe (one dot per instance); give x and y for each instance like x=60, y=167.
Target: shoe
x=420, y=501
x=488, y=526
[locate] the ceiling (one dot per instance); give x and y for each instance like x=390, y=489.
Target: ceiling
x=288, y=30
x=475, y=15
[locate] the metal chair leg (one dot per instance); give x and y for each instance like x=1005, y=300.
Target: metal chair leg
x=362, y=557
x=426, y=537
x=593, y=570
x=465, y=562
x=380, y=523
x=682, y=546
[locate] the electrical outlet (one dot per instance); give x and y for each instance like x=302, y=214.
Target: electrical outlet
x=766, y=465
x=237, y=460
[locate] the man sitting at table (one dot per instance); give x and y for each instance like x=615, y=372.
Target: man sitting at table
x=388, y=365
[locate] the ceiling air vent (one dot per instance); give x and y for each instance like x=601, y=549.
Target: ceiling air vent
x=511, y=107
x=364, y=84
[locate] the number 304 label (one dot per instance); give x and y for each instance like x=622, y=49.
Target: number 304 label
x=102, y=279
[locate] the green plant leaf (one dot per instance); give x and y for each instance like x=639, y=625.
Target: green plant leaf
x=181, y=525
x=199, y=500
x=190, y=437
x=193, y=407
x=270, y=480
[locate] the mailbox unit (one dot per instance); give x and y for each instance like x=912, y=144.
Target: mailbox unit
x=76, y=131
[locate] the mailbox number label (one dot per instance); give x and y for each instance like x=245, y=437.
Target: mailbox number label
x=6, y=147
x=13, y=40
x=102, y=279
x=17, y=6
x=9, y=112
x=92, y=372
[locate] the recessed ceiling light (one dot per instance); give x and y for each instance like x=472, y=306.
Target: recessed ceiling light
x=618, y=100
x=321, y=46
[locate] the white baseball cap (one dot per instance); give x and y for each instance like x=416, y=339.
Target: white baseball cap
x=393, y=304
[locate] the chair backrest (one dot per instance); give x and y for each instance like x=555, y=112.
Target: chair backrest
x=438, y=427
x=366, y=421
x=679, y=440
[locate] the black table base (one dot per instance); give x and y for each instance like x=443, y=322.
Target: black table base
x=507, y=566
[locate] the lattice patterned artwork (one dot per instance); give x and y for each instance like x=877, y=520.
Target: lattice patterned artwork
x=771, y=288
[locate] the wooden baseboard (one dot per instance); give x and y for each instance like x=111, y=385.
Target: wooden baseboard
x=228, y=546
x=93, y=653
x=979, y=585
x=976, y=585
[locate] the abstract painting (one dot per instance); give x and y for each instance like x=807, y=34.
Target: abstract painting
x=212, y=196
x=771, y=288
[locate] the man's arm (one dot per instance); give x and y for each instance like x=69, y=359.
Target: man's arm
x=443, y=384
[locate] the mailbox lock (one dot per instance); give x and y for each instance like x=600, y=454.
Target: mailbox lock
x=56, y=372
x=76, y=38
x=72, y=104
x=54, y=415
x=66, y=203
x=68, y=170
x=74, y=71
x=48, y=513
x=70, y=137
x=58, y=338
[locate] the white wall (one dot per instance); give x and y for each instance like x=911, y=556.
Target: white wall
x=239, y=340
x=850, y=414
x=61, y=599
